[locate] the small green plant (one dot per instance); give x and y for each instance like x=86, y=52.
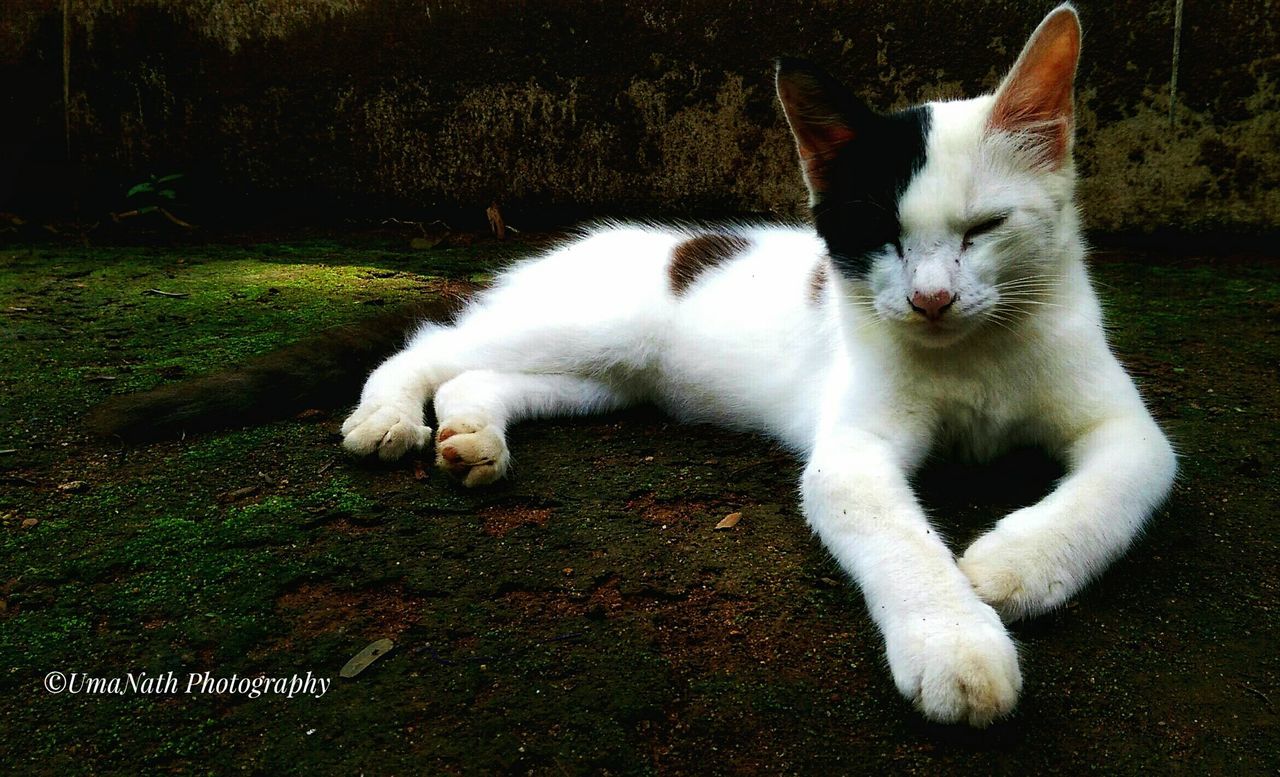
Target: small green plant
x=162, y=188
x=155, y=195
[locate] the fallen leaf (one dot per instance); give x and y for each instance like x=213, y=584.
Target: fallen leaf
x=729, y=521
x=360, y=661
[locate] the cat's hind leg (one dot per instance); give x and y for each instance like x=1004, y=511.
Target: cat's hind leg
x=475, y=408
x=558, y=315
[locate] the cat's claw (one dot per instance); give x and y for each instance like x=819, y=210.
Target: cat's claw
x=965, y=673
x=472, y=451
x=387, y=429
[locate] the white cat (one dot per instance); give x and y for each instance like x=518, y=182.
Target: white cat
x=942, y=302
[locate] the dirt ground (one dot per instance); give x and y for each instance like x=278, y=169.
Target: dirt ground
x=584, y=617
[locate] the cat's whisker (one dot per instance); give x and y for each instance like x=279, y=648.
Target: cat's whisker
x=1014, y=301
x=1030, y=289
x=1029, y=292
x=1047, y=285
x=1036, y=277
x=1048, y=279
x=1034, y=296
x=1005, y=325
x=1027, y=278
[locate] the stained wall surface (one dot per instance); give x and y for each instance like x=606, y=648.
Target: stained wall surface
x=662, y=109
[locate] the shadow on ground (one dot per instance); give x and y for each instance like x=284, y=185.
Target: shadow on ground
x=583, y=616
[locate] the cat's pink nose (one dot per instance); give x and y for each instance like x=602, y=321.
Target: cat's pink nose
x=933, y=304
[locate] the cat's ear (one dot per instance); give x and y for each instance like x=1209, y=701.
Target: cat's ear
x=1034, y=102
x=823, y=115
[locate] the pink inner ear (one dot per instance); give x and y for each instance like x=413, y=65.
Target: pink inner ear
x=818, y=130
x=1036, y=97
x=817, y=152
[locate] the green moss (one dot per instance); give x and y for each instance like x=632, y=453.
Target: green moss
x=617, y=632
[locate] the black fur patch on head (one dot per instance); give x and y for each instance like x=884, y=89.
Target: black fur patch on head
x=858, y=212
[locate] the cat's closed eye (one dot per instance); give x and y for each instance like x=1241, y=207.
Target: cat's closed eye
x=983, y=227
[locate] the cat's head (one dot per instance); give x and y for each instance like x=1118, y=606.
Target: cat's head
x=948, y=216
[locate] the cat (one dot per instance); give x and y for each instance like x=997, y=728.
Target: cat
x=942, y=300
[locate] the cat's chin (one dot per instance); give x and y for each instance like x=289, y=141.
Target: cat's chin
x=932, y=335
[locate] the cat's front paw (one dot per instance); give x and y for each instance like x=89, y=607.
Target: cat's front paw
x=956, y=669
x=391, y=430
x=472, y=451
x=1015, y=575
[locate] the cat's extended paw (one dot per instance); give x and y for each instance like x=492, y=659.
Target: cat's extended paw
x=957, y=670
x=388, y=429
x=472, y=451
x=1014, y=576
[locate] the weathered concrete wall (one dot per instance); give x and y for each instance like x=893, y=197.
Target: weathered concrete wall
x=657, y=108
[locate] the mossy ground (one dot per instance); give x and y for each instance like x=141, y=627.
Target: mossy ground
x=583, y=616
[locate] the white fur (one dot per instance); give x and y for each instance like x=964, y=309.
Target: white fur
x=858, y=385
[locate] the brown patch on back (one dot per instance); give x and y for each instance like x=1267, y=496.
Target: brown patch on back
x=818, y=282
x=698, y=254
